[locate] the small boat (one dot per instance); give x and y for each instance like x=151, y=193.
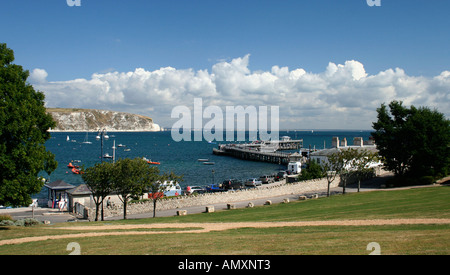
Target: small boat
x=86, y=141
x=209, y=163
x=68, y=139
x=202, y=160
x=107, y=156
x=76, y=171
x=70, y=165
x=121, y=145
x=127, y=150
x=151, y=162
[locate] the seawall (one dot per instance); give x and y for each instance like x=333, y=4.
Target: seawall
x=222, y=197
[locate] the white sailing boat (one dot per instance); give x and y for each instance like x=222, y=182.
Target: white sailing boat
x=86, y=140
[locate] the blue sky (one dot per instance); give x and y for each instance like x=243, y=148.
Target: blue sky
x=67, y=43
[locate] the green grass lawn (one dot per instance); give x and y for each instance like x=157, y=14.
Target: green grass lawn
x=432, y=202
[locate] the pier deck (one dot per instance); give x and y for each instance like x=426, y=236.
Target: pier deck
x=266, y=152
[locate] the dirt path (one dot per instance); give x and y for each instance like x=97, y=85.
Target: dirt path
x=208, y=227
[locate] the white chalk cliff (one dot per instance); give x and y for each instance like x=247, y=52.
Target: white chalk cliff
x=92, y=120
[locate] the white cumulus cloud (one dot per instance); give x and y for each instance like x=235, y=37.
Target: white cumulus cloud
x=38, y=75
x=342, y=96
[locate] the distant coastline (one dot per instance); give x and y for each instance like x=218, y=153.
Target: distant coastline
x=87, y=120
x=108, y=130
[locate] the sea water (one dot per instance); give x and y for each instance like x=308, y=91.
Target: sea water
x=178, y=157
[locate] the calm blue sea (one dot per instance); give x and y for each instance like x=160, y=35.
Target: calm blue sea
x=179, y=157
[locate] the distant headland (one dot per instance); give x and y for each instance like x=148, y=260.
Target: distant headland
x=83, y=120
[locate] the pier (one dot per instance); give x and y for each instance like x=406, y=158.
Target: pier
x=260, y=151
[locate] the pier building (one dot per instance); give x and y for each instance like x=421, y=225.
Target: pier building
x=266, y=151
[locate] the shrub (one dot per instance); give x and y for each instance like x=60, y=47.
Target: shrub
x=6, y=220
x=426, y=180
x=27, y=222
x=6, y=217
x=400, y=181
x=312, y=171
x=31, y=222
x=6, y=223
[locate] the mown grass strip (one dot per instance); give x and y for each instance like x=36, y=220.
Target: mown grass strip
x=430, y=202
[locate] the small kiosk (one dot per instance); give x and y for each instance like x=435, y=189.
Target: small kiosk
x=81, y=195
x=57, y=194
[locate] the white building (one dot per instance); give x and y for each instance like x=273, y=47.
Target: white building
x=295, y=163
x=321, y=157
x=295, y=167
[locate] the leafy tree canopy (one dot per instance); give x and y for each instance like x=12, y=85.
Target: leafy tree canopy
x=312, y=171
x=23, y=133
x=413, y=141
x=99, y=180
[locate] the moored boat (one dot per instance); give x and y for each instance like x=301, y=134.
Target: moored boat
x=76, y=171
x=70, y=165
x=107, y=156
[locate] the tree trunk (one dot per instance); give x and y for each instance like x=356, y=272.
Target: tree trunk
x=97, y=210
x=154, y=208
x=328, y=190
x=344, y=185
x=125, y=202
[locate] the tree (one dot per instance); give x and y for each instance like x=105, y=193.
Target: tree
x=312, y=171
x=362, y=164
x=332, y=168
x=130, y=178
x=413, y=141
x=352, y=161
x=99, y=181
x=344, y=162
x=24, y=126
x=157, y=187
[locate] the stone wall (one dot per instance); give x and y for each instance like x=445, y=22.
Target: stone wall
x=266, y=191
